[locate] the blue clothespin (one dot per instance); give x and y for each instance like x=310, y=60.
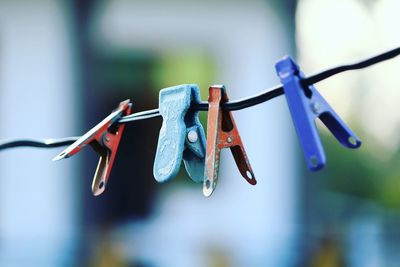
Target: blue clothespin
x=305, y=105
x=181, y=135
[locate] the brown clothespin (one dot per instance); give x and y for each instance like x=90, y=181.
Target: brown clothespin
x=222, y=133
x=104, y=139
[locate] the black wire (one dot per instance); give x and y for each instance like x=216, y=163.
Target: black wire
x=47, y=143
x=360, y=65
x=258, y=99
x=203, y=106
x=278, y=90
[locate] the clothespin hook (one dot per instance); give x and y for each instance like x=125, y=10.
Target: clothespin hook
x=104, y=138
x=222, y=133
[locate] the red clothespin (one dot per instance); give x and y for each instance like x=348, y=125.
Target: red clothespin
x=222, y=133
x=104, y=139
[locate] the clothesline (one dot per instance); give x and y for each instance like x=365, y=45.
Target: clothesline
x=182, y=136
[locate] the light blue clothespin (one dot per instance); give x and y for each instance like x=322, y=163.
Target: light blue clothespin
x=181, y=135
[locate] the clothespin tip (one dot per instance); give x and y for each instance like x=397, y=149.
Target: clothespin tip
x=62, y=155
x=58, y=157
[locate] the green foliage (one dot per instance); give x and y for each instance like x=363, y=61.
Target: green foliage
x=362, y=173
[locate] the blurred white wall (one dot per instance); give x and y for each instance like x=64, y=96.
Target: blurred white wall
x=36, y=101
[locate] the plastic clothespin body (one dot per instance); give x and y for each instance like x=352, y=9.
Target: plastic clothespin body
x=222, y=133
x=305, y=105
x=181, y=135
x=104, y=139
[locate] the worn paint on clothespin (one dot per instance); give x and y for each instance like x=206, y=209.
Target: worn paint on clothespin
x=306, y=104
x=181, y=135
x=222, y=133
x=104, y=139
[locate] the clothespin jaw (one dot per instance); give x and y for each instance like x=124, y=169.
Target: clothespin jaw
x=104, y=139
x=181, y=135
x=222, y=133
x=305, y=105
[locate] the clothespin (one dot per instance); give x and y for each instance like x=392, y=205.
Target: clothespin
x=222, y=133
x=181, y=135
x=306, y=104
x=104, y=139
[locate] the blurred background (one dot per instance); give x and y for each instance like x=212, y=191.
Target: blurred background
x=64, y=65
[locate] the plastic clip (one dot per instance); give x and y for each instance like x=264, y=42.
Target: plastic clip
x=104, y=139
x=306, y=104
x=181, y=135
x=222, y=133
